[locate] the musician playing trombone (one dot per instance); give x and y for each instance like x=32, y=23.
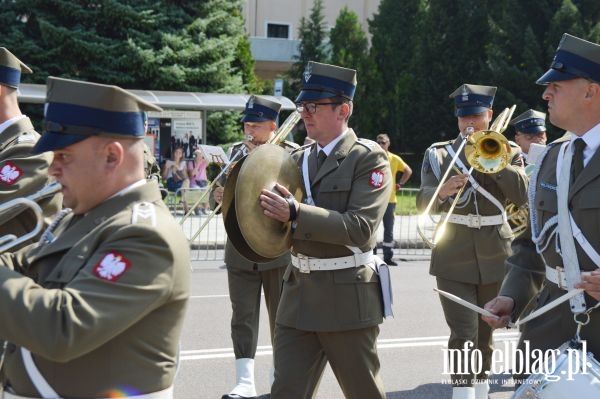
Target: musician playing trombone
x=246, y=278
x=468, y=260
x=95, y=308
x=21, y=172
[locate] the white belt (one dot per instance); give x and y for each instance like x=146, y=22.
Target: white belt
x=476, y=221
x=164, y=394
x=307, y=264
x=557, y=276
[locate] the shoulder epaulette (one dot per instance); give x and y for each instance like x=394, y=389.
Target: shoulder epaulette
x=441, y=143
x=26, y=138
x=143, y=212
x=289, y=145
x=370, y=144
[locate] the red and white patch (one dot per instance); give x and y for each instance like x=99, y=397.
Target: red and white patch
x=112, y=266
x=376, y=179
x=10, y=173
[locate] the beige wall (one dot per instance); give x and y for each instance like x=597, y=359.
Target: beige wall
x=259, y=12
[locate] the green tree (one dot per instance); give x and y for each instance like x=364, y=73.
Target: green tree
x=159, y=45
x=312, y=47
x=349, y=48
x=391, y=81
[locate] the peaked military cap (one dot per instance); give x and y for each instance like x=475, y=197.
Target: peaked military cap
x=472, y=99
x=260, y=109
x=530, y=122
x=574, y=58
x=326, y=81
x=76, y=110
x=11, y=69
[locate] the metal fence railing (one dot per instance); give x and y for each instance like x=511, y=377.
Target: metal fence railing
x=209, y=243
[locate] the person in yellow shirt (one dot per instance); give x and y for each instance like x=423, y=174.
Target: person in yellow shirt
x=398, y=166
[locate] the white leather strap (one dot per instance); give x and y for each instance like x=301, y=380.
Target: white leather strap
x=307, y=264
x=309, y=199
x=38, y=380
x=567, y=241
x=557, y=276
x=475, y=221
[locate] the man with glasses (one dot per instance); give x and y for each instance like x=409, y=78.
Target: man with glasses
x=331, y=304
x=398, y=166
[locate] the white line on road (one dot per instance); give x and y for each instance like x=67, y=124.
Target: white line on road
x=219, y=353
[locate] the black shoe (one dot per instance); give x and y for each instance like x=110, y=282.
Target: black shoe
x=390, y=262
x=234, y=396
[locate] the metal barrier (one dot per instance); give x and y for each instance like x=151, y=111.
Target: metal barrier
x=210, y=242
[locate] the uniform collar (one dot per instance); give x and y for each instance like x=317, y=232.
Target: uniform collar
x=4, y=125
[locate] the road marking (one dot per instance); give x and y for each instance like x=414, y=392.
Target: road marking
x=266, y=350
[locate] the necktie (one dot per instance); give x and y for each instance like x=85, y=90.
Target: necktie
x=577, y=165
x=321, y=158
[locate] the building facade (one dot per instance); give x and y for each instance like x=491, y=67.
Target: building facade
x=273, y=28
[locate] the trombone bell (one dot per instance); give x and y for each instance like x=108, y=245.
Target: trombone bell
x=487, y=151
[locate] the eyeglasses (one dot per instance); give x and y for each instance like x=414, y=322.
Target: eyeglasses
x=311, y=108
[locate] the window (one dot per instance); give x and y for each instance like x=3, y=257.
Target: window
x=278, y=31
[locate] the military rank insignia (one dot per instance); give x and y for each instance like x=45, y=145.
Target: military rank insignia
x=376, y=178
x=112, y=266
x=10, y=173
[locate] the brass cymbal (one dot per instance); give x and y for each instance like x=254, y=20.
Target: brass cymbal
x=232, y=227
x=263, y=167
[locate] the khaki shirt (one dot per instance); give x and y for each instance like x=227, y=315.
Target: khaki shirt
x=473, y=255
x=351, y=190
x=102, y=306
x=23, y=174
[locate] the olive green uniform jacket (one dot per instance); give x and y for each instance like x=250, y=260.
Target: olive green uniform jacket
x=351, y=191
x=23, y=174
x=526, y=266
x=92, y=325
x=465, y=254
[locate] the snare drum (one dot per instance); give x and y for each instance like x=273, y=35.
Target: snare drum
x=557, y=385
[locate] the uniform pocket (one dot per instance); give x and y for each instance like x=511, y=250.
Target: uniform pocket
x=357, y=295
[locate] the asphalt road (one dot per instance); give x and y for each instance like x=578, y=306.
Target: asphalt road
x=410, y=345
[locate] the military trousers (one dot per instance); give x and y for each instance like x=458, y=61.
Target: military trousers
x=388, y=231
x=245, y=288
x=467, y=327
x=301, y=357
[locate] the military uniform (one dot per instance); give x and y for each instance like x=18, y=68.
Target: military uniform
x=327, y=315
x=531, y=262
x=21, y=172
x=247, y=278
x=83, y=344
x=95, y=308
x=468, y=261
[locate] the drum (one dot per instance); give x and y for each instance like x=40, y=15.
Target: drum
x=570, y=377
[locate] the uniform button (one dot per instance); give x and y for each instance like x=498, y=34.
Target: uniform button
x=359, y=277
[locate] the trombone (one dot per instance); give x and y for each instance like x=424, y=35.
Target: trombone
x=279, y=136
x=16, y=206
x=487, y=151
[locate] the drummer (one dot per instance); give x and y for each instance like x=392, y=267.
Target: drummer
x=246, y=278
x=573, y=95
